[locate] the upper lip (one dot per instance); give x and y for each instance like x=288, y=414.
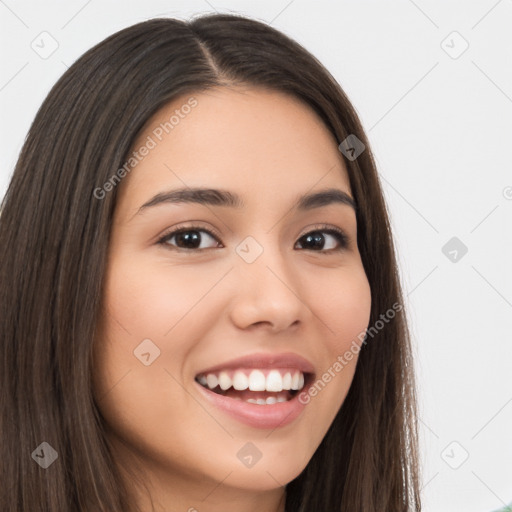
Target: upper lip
x=260, y=360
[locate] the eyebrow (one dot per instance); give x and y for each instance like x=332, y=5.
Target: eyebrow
x=218, y=197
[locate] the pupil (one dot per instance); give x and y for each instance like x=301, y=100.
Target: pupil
x=190, y=241
x=317, y=239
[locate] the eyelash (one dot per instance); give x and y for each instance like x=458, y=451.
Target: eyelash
x=339, y=234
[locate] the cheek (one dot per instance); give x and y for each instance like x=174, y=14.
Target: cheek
x=344, y=306
x=143, y=302
x=341, y=301
x=150, y=326
x=154, y=300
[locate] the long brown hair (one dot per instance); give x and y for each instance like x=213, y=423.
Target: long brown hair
x=54, y=236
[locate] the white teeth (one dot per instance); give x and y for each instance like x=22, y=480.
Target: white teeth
x=274, y=381
x=211, y=380
x=295, y=380
x=224, y=381
x=269, y=401
x=240, y=381
x=257, y=381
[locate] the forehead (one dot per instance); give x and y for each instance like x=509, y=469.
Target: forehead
x=263, y=144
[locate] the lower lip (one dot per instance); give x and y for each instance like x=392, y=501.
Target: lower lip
x=270, y=416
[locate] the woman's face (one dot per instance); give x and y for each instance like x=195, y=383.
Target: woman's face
x=267, y=280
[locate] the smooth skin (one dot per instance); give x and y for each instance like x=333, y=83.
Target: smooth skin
x=202, y=304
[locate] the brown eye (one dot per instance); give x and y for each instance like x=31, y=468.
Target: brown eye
x=189, y=238
x=317, y=240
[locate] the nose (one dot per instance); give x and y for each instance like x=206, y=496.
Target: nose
x=268, y=294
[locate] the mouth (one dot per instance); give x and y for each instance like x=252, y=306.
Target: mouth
x=259, y=390
x=259, y=386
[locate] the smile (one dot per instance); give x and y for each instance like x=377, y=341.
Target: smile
x=256, y=386
x=260, y=390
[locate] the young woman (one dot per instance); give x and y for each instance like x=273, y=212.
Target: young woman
x=200, y=302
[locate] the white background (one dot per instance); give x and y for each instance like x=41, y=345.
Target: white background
x=440, y=128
